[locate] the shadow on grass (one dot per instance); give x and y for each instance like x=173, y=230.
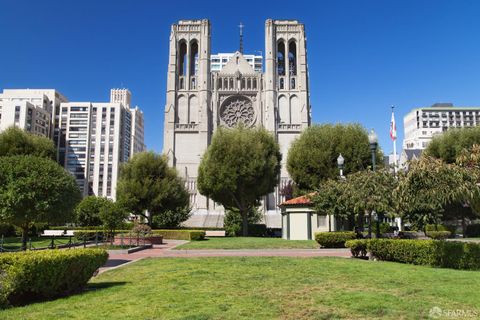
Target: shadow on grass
x=31, y=298
x=114, y=263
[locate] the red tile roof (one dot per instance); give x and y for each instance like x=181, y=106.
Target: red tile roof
x=299, y=201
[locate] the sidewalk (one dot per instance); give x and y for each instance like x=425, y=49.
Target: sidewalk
x=165, y=251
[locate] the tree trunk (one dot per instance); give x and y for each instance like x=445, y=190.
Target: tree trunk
x=24, y=237
x=244, y=214
x=329, y=223
x=464, y=227
x=370, y=224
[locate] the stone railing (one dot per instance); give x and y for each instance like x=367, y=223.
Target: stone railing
x=186, y=127
x=289, y=127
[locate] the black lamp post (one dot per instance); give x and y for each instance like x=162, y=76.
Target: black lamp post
x=373, y=141
x=340, y=162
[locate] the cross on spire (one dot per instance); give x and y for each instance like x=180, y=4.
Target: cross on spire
x=241, y=25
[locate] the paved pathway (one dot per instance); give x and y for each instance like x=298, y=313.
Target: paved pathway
x=165, y=251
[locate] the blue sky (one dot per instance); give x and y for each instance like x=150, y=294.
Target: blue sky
x=363, y=56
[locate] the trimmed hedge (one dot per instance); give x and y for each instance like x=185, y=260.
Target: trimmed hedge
x=438, y=235
x=473, y=230
x=31, y=275
x=445, y=254
x=334, y=239
x=358, y=247
x=181, y=234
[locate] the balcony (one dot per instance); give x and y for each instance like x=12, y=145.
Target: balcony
x=289, y=127
x=186, y=127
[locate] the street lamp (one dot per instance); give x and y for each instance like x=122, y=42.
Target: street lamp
x=373, y=140
x=340, y=162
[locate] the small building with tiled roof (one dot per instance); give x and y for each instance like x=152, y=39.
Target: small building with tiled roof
x=300, y=221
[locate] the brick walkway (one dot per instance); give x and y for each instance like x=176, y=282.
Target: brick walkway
x=164, y=251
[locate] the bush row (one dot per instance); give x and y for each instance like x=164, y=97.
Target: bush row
x=438, y=235
x=167, y=234
x=445, y=254
x=334, y=239
x=35, y=275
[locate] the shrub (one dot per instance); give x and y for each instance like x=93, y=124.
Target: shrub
x=171, y=218
x=181, y=234
x=46, y=274
x=446, y=254
x=7, y=230
x=384, y=228
x=441, y=227
x=438, y=235
x=358, y=247
x=141, y=228
x=257, y=230
x=473, y=230
x=334, y=239
x=232, y=221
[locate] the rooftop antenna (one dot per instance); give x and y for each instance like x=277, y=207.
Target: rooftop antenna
x=241, y=37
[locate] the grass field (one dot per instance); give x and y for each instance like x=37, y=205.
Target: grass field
x=14, y=243
x=264, y=288
x=249, y=243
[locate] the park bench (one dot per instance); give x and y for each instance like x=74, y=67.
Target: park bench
x=53, y=234
x=215, y=233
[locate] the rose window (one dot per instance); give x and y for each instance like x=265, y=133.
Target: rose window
x=236, y=111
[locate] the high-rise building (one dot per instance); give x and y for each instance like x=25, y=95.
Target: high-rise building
x=96, y=138
x=201, y=99
x=43, y=100
x=220, y=60
x=26, y=116
x=422, y=124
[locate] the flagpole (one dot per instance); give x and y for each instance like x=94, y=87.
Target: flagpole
x=394, y=148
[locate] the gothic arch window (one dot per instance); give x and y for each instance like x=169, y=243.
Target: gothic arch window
x=281, y=58
x=219, y=83
x=225, y=84
x=193, y=109
x=254, y=84
x=283, y=109
x=249, y=83
x=231, y=84
x=292, y=58
x=243, y=84
x=295, y=110
x=193, y=57
x=182, y=58
x=181, y=112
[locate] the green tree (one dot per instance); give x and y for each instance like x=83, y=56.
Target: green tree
x=87, y=212
x=171, y=219
x=239, y=167
x=147, y=183
x=312, y=157
x=371, y=191
x=449, y=145
x=331, y=199
x=14, y=141
x=428, y=186
x=112, y=215
x=35, y=189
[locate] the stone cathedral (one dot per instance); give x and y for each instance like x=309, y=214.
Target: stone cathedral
x=200, y=100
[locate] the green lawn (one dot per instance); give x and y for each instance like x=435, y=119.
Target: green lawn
x=264, y=288
x=14, y=243
x=249, y=243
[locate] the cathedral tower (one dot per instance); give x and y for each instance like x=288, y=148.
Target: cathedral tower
x=188, y=103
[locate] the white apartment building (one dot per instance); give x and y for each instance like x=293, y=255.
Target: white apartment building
x=422, y=124
x=26, y=116
x=43, y=100
x=95, y=138
x=219, y=60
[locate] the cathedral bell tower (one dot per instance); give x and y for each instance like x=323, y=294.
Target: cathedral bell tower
x=188, y=103
x=287, y=107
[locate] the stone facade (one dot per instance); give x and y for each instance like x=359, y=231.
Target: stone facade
x=199, y=100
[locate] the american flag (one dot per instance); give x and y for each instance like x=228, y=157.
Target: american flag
x=393, y=128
